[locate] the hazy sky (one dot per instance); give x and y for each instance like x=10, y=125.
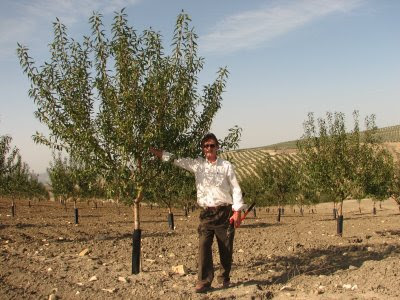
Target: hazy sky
x=285, y=58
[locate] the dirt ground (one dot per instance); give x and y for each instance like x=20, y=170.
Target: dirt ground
x=298, y=258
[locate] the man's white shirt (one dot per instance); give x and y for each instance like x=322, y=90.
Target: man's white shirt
x=216, y=182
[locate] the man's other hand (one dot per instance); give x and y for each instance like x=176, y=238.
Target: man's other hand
x=236, y=219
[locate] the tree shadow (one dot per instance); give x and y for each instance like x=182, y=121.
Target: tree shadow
x=393, y=215
x=28, y=225
x=154, y=221
x=89, y=216
x=358, y=217
x=115, y=237
x=121, y=222
x=318, y=262
x=159, y=234
x=388, y=232
x=329, y=219
x=98, y=237
x=257, y=225
x=294, y=216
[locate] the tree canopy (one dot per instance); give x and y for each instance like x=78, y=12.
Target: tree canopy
x=106, y=100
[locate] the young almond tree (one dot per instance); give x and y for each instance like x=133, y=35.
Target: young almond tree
x=395, y=187
x=16, y=179
x=378, y=174
x=254, y=190
x=277, y=175
x=306, y=191
x=333, y=156
x=8, y=157
x=70, y=179
x=61, y=179
x=106, y=100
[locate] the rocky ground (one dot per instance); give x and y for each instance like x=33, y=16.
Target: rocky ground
x=45, y=255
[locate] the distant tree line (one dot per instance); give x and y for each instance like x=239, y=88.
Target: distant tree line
x=16, y=178
x=332, y=164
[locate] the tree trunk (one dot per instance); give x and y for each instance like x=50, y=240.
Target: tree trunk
x=136, y=209
x=278, y=219
x=340, y=219
x=137, y=233
x=341, y=208
x=171, y=224
x=13, y=208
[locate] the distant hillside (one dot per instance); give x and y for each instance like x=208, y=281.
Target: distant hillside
x=246, y=160
x=390, y=134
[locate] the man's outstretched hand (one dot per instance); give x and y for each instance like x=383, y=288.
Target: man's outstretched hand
x=236, y=219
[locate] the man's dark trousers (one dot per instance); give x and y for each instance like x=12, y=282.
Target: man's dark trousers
x=215, y=221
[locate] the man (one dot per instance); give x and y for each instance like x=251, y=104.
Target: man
x=218, y=194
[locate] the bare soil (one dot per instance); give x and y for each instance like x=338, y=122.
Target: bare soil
x=300, y=257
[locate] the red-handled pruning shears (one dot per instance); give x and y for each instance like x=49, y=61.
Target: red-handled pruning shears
x=245, y=214
x=248, y=210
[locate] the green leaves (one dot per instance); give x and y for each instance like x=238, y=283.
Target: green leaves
x=106, y=100
x=15, y=177
x=342, y=163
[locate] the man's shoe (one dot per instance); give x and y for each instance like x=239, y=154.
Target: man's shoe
x=225, y=282
x=202, y=287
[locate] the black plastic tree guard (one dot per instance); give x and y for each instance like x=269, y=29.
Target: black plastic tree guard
x=334, y=213
x=171, y=221
x=13, y=209
x=136, y=240
x=340, y=225
x=76, y=215
x=279, y=215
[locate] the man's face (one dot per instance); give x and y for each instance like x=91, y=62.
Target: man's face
x=210, y=149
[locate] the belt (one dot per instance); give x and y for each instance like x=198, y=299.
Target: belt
x=213, y=208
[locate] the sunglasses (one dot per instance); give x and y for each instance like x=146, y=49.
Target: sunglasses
x=205, y=146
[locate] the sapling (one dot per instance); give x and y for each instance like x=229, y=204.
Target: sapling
x=106, y=101
x=333, y=155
